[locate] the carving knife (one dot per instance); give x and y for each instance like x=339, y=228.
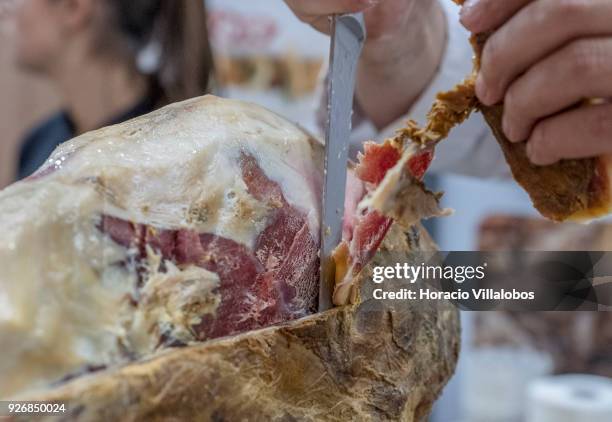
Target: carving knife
x=348, y=36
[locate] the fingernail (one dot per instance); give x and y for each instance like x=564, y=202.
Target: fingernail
x=537, y=151
x=509, y=130
x=482, y=90
x=535, y=156
x=530, y=151
x=469, y=14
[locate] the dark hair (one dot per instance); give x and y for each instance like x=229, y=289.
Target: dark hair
x=178, y=28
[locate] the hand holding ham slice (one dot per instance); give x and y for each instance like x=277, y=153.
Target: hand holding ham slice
x=571, y=189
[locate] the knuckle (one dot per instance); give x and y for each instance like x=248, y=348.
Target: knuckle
x=588, y=58
x=543, y=12
x=565, y=17
x=564, y=9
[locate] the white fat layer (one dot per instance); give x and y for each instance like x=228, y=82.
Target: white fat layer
x=63, y=304
x=162, y=165
x=61, y=308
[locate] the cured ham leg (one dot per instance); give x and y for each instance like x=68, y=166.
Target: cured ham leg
x=198, y=221
x=195, y=222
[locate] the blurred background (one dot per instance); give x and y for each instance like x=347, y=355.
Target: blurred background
x=262, y=53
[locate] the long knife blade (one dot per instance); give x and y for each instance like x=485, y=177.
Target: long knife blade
x=348, y=36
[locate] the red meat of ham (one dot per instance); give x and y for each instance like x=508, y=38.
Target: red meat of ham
x=271, y=283
x=366, y=231
x=274, y=281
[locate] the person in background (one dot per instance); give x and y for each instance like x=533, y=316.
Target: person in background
x=110, y=60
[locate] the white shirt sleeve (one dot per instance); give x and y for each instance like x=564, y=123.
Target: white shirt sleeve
x=471, y=148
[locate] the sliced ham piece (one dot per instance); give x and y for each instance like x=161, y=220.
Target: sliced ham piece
x=391, y=174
